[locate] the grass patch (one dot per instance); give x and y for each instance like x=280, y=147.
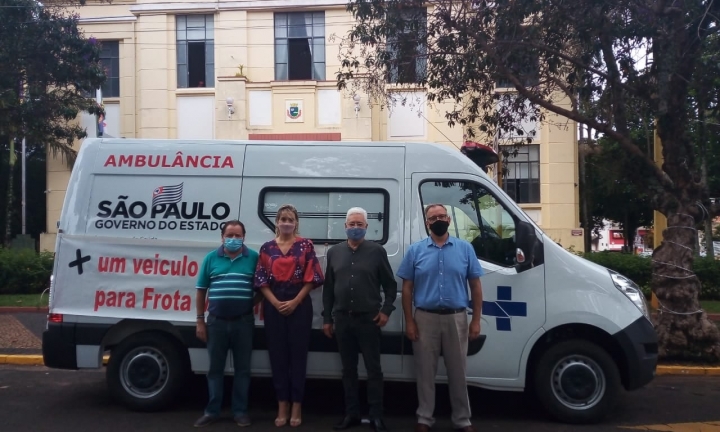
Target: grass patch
x=25, y=300
x=710, y=306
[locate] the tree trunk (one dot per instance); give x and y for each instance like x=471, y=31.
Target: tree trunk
x=683, y=330
x=10, y=195
x=627, y=235
x=630, y=230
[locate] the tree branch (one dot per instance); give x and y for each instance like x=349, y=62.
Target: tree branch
x=623, y=140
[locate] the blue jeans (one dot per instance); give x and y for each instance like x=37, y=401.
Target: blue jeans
x=237, y=336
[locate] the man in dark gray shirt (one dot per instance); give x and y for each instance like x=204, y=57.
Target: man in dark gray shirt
x=356, y=270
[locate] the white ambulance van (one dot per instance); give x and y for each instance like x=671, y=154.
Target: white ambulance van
x=140, y=215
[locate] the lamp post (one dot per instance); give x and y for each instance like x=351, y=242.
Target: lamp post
x=23, y=150
x=23, y=185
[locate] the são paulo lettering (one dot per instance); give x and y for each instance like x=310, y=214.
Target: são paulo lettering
x=139, y=215
x=184, y=210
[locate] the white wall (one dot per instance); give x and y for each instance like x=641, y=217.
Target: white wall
x=406, y=117
x=112, y=120
x=195, y=117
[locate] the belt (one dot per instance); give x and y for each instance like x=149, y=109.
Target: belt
x=232, y=318
x=353, y=313
x=443, y=311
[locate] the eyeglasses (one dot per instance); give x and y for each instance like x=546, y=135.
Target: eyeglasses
x=438, y=217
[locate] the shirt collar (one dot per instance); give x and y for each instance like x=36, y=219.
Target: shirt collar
x=347, y=243
x=221, y=251
x=429, y=241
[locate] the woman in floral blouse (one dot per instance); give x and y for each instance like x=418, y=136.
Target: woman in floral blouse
x=287, y=271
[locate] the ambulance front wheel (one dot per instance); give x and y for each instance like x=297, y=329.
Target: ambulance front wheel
x=146, y=371
x=577, y=381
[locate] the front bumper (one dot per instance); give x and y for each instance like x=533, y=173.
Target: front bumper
x=639, y=344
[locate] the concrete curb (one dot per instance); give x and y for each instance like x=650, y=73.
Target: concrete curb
x=688, y=370
x=30, y=360
x=37, y=360
x=22, y=309
x=711, y=316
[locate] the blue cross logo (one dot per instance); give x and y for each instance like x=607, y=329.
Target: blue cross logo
x=504, y=308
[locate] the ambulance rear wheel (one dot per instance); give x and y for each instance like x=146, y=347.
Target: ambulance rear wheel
x=145, y=372
x=577, y=381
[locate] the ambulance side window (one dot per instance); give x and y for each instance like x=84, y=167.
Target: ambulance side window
x=322, y=211
x=476, y=216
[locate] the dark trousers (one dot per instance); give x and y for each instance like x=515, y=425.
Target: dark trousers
x=355, y=335
x=236, y=336
x=288, y=342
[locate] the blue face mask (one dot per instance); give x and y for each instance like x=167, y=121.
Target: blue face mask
x=355, y=234
x=233, y=244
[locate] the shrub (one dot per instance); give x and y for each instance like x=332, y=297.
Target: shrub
x=634, y=267
x=24, y=271
x=708, y=271
x=639, y=270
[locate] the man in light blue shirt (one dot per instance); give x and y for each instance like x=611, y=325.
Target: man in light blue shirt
x=436, y=272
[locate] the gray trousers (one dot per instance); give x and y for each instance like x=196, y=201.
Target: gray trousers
x=449, y=332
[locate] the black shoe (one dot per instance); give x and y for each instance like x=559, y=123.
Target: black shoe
x=205, y=420
x=347, y=423
x=243, y=420
x=378, y=425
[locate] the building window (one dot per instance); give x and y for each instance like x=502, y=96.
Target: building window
x=407, y=62
x=522, y=181
x=522, y=62
x=525, y=65
x=300, y=46
x=322, y=211
x=475, y=216
x=110, y=61
x=195, y=51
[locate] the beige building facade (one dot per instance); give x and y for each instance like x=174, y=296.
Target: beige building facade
x=254, y=69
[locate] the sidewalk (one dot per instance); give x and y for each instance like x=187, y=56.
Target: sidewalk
x=22, y=328
x=21, y=338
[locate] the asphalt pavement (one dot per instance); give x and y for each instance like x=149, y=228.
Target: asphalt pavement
x=37, y=399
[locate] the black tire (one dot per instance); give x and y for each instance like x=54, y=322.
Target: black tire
x=577, y=381
x=146, y=371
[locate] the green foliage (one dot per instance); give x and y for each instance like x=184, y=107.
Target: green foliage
x=549, y=57
x=47, y=70
x=609, y=193
x=708, y=271
x=638, y=269
x=36, y=222
x=635, y=267
x=24, y=271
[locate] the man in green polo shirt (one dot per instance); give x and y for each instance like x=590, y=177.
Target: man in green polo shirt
x=225, y=279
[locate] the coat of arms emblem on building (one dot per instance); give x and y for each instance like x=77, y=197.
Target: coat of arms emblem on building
x=293, y=111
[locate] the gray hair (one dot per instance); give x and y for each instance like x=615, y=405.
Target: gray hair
x=357, y=210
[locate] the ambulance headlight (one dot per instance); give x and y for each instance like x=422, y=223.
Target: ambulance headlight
x=631, y=291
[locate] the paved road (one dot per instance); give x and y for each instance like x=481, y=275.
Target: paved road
x=38, y=399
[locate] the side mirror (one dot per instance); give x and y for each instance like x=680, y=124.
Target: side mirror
x=526, y=241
